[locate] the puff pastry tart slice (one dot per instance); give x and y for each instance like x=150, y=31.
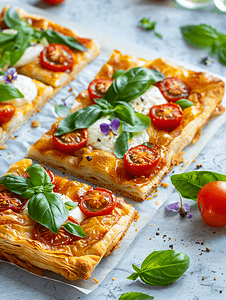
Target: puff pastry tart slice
x=20, y=98
x=43, y=50
x=126, y=131
x=55, y=224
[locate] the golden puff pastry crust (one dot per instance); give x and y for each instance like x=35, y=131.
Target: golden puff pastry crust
x=75, y=260
x=25, y=111
x=104, y=168
x=36, y=71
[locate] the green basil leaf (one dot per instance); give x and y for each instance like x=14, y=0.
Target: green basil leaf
x=141, y=123
x=135, y=296
x=147, y=24
x=9, y=92
x=82, y=118
x=158, y=34
x=12, y=18
x=184, y=103
x=4, y=60
x=121, y=144
x=28, y=193
x=71, y=205
x=133, y=276
x=201, y=36
x=132, y=84
x=124, y=112
x=16, y=184
x=75, y=229
x=188, y=184
x=6, y=37
x=39, y=176
x=118, y=73
x=56, y=37
x=161, y=268
x=221, y=54
x=62, y=110
x=48, y=210
x=2, y=73
x=22, y=42
x=136, y=268
x=104, y=104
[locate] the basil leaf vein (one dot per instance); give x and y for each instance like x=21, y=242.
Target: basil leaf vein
x=9, y=92
x=188, y=184
x=16, y=184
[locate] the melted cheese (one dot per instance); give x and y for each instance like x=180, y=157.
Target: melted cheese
x=151, y=97
x=26, y=86
x=75, y=213
x=106, y=142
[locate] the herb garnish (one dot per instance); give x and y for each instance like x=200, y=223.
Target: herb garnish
x=13, y=45
x=115, y=103
x=148, y=25
x=135, y=296
x=184, y=103
x=206, y=37
x=188, y=184
x=44, y=206
x=161, y=268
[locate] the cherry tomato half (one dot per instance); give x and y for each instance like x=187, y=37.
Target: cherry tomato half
x=53, y=2
x=6, y=112
x=98, y=87
x=10, y=200
x=211, y=200
x=97, y=202
x=173, y=89
x=141, y=160
x=56, y=57
x=166, y=116
x=47, y=237
x=71, y=141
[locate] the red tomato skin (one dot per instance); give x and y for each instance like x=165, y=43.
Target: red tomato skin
x=6, y=112
x=139, y=169
x=92, y=86
x=16, y=202
x=56, y=67
x=53, y=2
x=70, y=148
x=164, y=123
x=167, y=84
x=105, y=211
x=211, y=200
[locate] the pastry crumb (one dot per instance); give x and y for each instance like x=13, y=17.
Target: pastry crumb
x=177, y=158
x=113, y=278
x=70, y=90
x=203, y=278
x=194, y=160
x=9, y=152
x=156, y=202
x=95, y=280
x=164, y=184
x=207, y=249
x=149, y=198
x=39, y=110
x=35, y=124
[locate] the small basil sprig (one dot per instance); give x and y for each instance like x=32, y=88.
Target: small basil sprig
x=44, y=207
x=184, y=103
x=148, y=25
x=9, y=92
x=161, y=268
x=188, y=184
x=135, y=296
x=206, y=37
x=13, y=46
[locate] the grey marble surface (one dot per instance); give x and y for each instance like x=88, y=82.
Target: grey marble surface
x=120, y=18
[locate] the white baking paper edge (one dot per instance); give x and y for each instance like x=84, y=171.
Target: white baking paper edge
x=27, y=136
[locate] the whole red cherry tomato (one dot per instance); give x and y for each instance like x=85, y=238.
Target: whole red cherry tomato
x=97, y=202
x=6, y=112
x=47, y=237
x=141, y=160
x=174, y=89
x=211, y=200
x=53, y=2
x=98, y=87
x=56, y=57
x=166, y=116
x=71, y=141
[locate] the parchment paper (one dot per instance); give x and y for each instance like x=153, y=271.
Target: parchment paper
x=26, y=136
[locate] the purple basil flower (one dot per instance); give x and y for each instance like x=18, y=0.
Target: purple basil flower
x=175, y=207
x=106, y=128
x=10, y=75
